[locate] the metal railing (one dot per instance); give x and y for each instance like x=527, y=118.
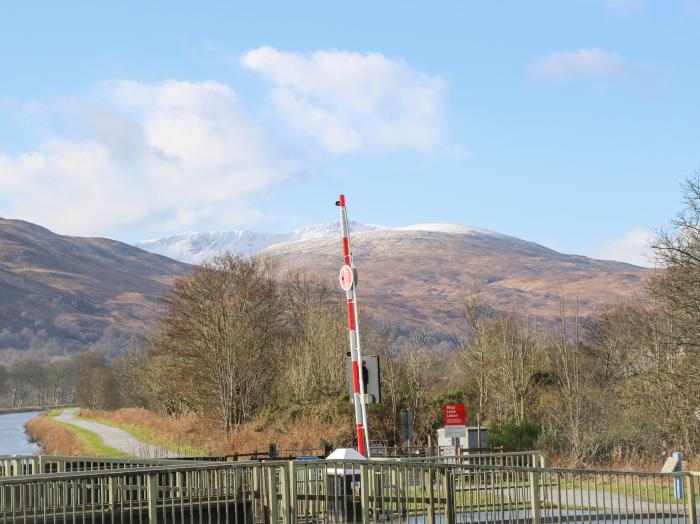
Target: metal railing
x=20, y=465
x=322, y=491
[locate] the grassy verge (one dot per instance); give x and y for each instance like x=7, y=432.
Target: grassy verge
x=186, y=434
x=60, y=438
x=92, y=442
x=149, y=436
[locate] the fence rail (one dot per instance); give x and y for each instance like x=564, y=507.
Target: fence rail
x=320, y=491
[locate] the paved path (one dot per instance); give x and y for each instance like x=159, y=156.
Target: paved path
x=117, y=438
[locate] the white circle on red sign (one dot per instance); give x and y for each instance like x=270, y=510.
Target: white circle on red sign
x=346, y=277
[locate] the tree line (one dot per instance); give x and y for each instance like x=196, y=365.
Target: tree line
x=239, y=339
x=86, y=378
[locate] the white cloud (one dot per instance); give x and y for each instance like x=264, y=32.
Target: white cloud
x=584, y=63
x=351, y=101
x=168, y=155
x=632, y=247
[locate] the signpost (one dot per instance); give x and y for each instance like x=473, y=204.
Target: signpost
x=346, y=278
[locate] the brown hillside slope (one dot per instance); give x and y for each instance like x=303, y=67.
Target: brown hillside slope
x=61, y=294
x=421, y=277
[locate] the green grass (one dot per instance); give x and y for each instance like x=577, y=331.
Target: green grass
x=652, y=490
x=148, y=436
x=91, y=441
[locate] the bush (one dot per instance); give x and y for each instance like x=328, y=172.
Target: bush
x=514, y=435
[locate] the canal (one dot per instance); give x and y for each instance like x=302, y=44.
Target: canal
x=13, y=439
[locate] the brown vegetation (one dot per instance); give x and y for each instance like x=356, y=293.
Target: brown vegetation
x=54, y=438
x=245, y=357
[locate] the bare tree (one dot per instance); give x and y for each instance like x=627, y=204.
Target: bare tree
x=220, y=337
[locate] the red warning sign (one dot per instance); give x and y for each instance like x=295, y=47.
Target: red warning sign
x=454, y=415
x=346, y=277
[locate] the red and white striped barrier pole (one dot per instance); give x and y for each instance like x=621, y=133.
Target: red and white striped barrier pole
x=347, y=282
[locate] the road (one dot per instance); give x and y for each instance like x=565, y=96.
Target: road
x=117, y=438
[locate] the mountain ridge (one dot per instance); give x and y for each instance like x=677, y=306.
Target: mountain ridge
x=61, y=294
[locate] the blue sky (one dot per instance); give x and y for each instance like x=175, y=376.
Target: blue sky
x=570, y=123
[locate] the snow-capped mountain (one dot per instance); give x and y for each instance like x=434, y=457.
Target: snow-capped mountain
x=192, y=247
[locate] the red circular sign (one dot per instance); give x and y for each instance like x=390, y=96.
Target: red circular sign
x=346, y=277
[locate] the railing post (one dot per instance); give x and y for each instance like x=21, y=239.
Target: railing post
x=272, y=501
x=284, y=491
x=111, y=495
x=429, y=480
x=448, y=480
x=690, y=498
x=364, y=492
x=152, y=497
x=534, y=477
x=403, y=493
x=292, y=501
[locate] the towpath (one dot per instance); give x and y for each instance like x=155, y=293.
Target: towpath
x=117, y=438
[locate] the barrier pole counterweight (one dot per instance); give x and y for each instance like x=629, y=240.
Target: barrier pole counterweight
x=347, y=282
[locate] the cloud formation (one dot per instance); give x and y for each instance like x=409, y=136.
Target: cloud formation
x=632, y=247
x=169, y=155
x=349, y=102
x=584, y=63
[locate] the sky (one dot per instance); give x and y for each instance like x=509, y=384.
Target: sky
x=571, y=123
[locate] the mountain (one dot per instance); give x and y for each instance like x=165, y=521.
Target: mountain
x=62, y=294
x=194, y=247
x=420, y=275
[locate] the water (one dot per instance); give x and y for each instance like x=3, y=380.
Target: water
x=13, y=439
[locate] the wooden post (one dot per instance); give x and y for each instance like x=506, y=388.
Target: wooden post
x=534, y=477
x=691, y=511
x=448, y=482
x=152, y=497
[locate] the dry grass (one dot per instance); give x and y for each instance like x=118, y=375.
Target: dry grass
x=293, y=428
x=187, y=431
x=54, y=438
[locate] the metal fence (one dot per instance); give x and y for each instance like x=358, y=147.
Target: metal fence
x=19, y=465
x=322, y=491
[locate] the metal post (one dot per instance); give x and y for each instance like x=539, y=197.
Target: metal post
x=152, y=497
x=429, y=477
x=347, y=275
x=364, y=492
x=691, y=511
x=535, y=496
x=111, y=494
x=272, y=495
x=292, y=502
x=449, y=487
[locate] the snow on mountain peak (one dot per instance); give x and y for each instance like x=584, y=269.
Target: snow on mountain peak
x=445, y=227
x=194, y=247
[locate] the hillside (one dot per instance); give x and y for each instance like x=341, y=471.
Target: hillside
x=61, y=294
x=420, y=275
